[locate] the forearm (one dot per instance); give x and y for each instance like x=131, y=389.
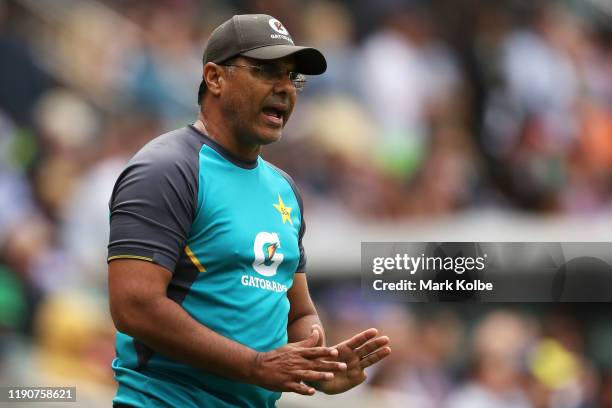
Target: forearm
x=172, y=332
x=301, y=327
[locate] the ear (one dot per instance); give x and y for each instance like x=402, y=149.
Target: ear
x=214, y=78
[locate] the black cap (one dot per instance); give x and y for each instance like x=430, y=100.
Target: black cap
x=260, y=36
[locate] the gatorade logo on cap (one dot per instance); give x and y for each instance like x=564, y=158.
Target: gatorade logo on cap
x=278, y=26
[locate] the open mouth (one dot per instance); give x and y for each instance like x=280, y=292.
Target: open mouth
x=275, y=114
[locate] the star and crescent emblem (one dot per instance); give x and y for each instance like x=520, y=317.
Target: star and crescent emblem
x=283, y=210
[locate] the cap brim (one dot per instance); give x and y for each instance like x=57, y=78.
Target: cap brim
x=308, y=60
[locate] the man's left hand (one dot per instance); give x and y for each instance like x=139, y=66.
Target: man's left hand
x=360, y=351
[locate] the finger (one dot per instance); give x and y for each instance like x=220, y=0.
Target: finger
x=300, y=388
x=361, y=338
x=375, y=357
x=309, y=375
x=309, y=341
x=317, y=352
x=321, y=365
x=372, y=346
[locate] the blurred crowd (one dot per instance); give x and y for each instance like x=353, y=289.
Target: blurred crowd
x=480, y=356
x=427, y=108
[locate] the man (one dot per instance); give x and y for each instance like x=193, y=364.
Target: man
x=206, y=262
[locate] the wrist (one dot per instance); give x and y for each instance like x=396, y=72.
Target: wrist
x=250, y=371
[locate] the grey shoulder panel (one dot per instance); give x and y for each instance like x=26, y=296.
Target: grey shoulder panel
x=154, y=200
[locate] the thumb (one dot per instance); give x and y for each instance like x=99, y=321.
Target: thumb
x=319, y=329
x=311, y=340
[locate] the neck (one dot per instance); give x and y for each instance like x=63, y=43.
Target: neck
x=220, y=133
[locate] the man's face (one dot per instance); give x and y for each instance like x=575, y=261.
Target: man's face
x=257, y=106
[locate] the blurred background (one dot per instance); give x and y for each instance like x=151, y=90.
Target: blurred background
x=468, y=120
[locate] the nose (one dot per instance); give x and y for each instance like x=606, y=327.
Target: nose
x=284, y=85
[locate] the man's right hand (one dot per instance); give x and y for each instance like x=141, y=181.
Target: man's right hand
x=285, y=368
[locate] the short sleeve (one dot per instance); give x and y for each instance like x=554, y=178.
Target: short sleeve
x=153, y=205
x=302, y=265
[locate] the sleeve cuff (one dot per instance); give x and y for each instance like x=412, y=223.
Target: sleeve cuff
x=142, y=255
